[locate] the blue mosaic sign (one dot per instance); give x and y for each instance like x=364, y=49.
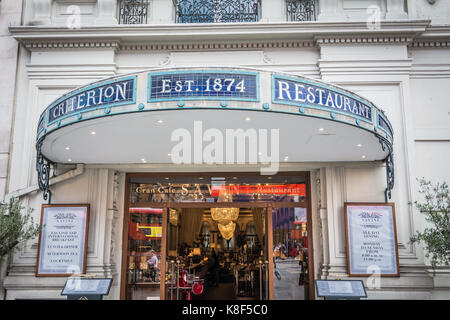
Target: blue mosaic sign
x=302, y=93
x=384, y=124
x=198, y=85
x=41, y=123
x=99, y=96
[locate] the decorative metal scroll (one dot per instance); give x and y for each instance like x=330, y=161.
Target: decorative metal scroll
x=301, y=10
x=389, y=170
x=43, y=170
x=210, y=11
x=389, y=176
x=133, y=11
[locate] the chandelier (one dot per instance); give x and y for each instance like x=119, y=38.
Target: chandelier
x=227, y=230
x=224, y=214
x=225, y=217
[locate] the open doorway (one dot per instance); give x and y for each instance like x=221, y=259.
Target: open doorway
x=217, y=236
x=210, y=260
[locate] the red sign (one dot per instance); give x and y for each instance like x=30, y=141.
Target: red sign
x=279, y=189
x=146, y=210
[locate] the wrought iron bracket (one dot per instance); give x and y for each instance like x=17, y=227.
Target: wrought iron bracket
x=389, y=160
x=43, y=170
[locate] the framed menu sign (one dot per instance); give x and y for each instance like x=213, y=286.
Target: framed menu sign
x=371, y=239
x=63, y=240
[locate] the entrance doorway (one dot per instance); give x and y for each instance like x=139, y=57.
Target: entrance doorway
x=217, y=259
x=217, y=236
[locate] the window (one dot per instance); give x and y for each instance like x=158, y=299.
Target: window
x=133, y=11
x=301, y=10
x=210, y=11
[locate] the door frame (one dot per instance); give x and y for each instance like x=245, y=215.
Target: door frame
x=261, y=204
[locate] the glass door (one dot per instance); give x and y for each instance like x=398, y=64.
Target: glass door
x=290, y=254
x=144, y=253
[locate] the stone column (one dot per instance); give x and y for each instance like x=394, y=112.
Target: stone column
x=42, y=12
x=107, y=12
x=395, y=10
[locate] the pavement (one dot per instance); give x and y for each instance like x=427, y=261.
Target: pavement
x=287, y=288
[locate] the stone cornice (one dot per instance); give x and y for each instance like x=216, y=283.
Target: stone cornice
x=74, y=44
x=363, y=40
x=433, y=37
x=216, y=36
x=216, y=45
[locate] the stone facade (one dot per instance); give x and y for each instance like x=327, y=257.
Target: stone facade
x=400, y=62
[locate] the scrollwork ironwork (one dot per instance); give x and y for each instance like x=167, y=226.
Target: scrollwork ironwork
x=389, y=160
x=301, y=10
x=389, y=176
x=210, y=11
x=133, y=11
x=43, y=170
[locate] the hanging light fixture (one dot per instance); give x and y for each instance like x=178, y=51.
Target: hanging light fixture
x=225, y=217
x=227, y=229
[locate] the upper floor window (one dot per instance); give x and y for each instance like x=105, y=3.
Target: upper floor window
x=133, y=11
x=210, y=11
x=301, y=10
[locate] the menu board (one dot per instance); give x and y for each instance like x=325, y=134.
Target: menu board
x=371, y=239
x=341, y=288
x=62, y=240
x=86, y=286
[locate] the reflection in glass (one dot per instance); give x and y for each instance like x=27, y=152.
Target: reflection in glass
x=290, y=241
x=144, y=252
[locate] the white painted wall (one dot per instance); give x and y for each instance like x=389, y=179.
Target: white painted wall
x=403, y=80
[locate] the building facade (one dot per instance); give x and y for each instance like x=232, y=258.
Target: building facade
x=390, y=55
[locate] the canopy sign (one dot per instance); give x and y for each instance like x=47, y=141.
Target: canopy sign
x=203, y=85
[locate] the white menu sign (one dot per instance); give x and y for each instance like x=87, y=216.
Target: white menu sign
x=62, y=242
x=371, y=239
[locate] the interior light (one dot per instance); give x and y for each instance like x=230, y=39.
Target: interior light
x=321, y=129
x=160, y=121
x=69, y=160
x=93, y=132
x=363, y=157
x=67, y=148
x=359, y=145
x=247, y=119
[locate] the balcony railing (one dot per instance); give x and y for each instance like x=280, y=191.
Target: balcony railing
x=301, y=10
x=210, y=11
x=133, y=11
